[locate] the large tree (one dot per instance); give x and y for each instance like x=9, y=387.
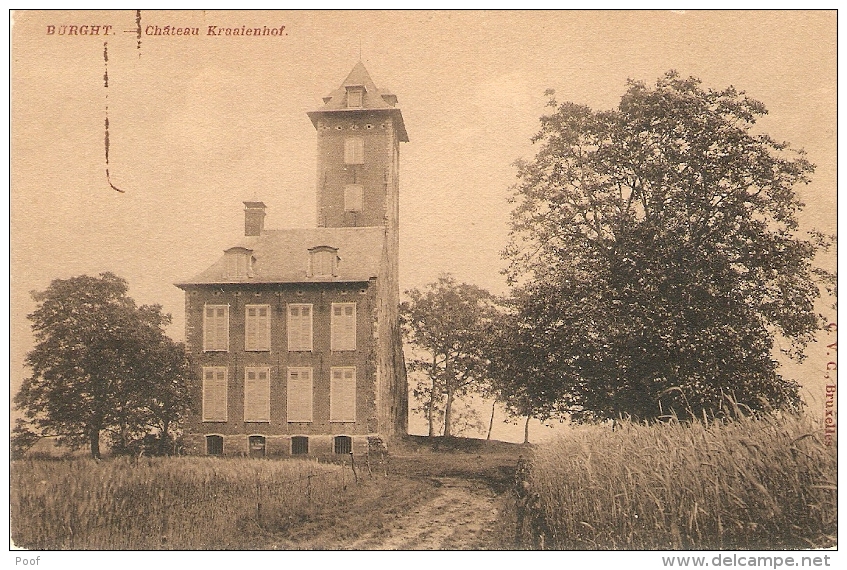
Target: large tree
x=656, y=256
x=448, y=325
x=101, y=363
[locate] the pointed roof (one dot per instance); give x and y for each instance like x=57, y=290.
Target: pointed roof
x=373, y=99
x=359, y=76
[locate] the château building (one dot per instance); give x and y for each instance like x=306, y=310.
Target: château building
x=294, y=333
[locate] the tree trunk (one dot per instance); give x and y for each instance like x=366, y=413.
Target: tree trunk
x=526, y=431
x=491, y=423
x=163, y=441
x=94, y=439
x=431, y=411
x=448, y=414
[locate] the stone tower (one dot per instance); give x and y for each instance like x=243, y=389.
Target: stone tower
x=359, y=131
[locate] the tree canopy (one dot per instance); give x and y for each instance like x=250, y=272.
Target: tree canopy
x=101, y=363
x=449, y=327
x=656, y=255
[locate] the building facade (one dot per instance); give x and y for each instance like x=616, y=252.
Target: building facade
x=294, y=333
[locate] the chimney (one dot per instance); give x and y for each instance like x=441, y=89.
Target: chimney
x=254, y=218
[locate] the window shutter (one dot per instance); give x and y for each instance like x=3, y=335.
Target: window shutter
x=350, y=326
x=257, y=328
x=222, y=326
x=257, y=395
x=299, y=395
x=343, y=325
x=216, y=328
x=209, y=329
x=306, y=327
x=214, y=394
x=354, y=97
x=353, y=198
x=354, y=150
x=264, y=328
x=293, y=325
x=250, y=328
x=299, y=327
x=322, y=263
x=342, y=395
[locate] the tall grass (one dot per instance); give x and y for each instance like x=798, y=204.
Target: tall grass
x=155, y=503
x=744, y=484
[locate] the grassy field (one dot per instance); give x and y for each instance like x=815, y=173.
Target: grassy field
x=747, y=484
x=164, y=502
x=234, y=503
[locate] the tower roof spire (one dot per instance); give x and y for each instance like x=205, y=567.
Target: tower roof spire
x=369, y=97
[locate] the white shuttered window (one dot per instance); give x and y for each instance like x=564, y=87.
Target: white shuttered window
x=342, y=394
x=216, y=328
x=257, y=394
x=299, y=327
x=354, y=150
x=299, y=395
x=214, y=394
x=257, y=328
x=343, y=325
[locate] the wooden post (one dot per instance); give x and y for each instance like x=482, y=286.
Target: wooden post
x=353, y=467
x=258, y=502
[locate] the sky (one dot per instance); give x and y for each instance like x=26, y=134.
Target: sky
x=199, y=124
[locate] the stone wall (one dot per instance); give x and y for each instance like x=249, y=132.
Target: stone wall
x=278, y=359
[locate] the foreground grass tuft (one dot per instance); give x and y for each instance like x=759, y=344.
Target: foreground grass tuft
x=747, y=484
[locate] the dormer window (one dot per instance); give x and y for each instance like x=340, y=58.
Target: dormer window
x=239, y=263
x=323, y=261
x=354, y=96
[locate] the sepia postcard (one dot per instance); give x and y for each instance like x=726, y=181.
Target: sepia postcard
x=424, y=280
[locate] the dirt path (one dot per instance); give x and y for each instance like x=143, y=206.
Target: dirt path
x=459, y=516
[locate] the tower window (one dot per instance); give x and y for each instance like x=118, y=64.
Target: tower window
x=354, y=150
x=354, y=97
x=353, y=198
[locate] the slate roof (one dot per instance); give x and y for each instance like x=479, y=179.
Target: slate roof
x=374, y=99
x=282, y=256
